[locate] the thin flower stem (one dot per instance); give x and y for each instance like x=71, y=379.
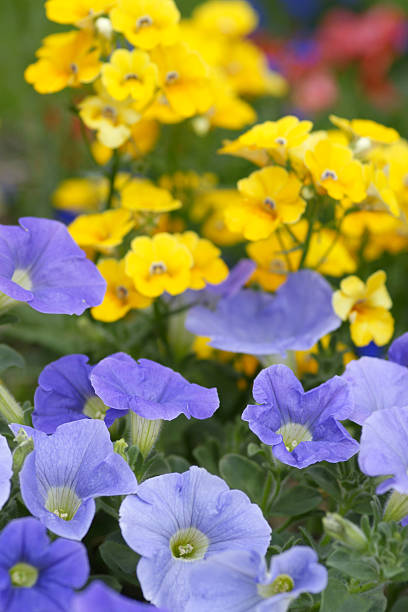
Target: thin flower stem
x=112, y=178
x=309, y=234
x=285, y=253
x=333, y=244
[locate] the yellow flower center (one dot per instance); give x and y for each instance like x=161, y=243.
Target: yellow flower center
x=329, y=174
x=282, y=584
x=277, y=266
x=109, y=112
x=281, y=141
x=23, y=575
x=63, y=502
x=74, y=68
x=269, y=203
x=172, y=77
x=189, y=544
x=293, y=434
x=132, y=76
x=157, y=267
x=144, y=21
x=121, y=292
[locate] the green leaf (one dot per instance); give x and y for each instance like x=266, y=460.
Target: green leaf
x=9, y=357
x=7, y=319
x=401, y=605
x=325, y=479
x=296, y=501
x=337, y=598
x=347, y=562
x=242, y=473
x=207, y=455
x=110, y=581
x=157, y=466
x=119, y=558
x=178, y=464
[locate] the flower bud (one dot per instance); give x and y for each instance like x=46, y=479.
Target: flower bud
x=144, y=432
x=104, y=27
x=345, y=531
x=120, y=447
x=397, y=507
x=25, y=446
x=9, y=407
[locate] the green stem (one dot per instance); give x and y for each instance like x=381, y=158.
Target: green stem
x=266, y=493
x=285, y=253
x=112, y=178
x=306, y=244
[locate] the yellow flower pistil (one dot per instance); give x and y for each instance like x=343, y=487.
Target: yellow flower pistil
x=121, y=295
x=272, y=138
x=102, y=231
x=335, y=172
x=77, y=12
x=208, y=267
x=183, y=79
x=141, y=195
x=366, y=306
x=271, y=196
x=130, y=73
x=159, y=264
x=64, y=60
x=146, y=23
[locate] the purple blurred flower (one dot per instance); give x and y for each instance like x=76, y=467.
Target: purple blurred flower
x=384, y=448
x=36, y=574
x=6, y=470
x=65, y=394
x=258, y=323
x=398, y=351
x=67, y=470
x=240, y=580
x=303, y=428
x=43, y=266
x=375, y=384
x=150, y=390
x=176, y=521
x=100, y=597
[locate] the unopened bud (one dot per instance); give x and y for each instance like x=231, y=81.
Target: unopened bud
x=144, y=432
x=9, y=407
x=120, y=447
x=25, y=446
x=397, y=507
x=345, y=531
x=104, y=27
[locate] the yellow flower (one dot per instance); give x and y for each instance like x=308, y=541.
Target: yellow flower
x=335, y=171
x=101, y=153
x=141, y=195
x=246, y=68
x=208, y=267
x=271, y=196
x=102, y=231
x=210, y=207
x=112, y=119
x=275, y=257
x=159, y=264
x=365, y=128
x=144, y=135
x=397, y=170
x=130, y=73
x=366, y=306
x=146, y=23
x=183, y=79
x=380, y=195
x=81, y=194
x=328, y=254
x=64, y=60
x=226, y=17
x=77, y=12
x=121, y=295
x=271, y=138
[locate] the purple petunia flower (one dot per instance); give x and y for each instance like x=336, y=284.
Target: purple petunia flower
x=67, y=470
x=176, y=521
x=398, y=351
x=150, y=390
x=384, y=448
x=100, y=597
x=36, y=574
x=303, y=428
x=42, y=266
x=6, y=470
x=375, y=384
x=258, y=323
x=240, y=580
x=65, y=394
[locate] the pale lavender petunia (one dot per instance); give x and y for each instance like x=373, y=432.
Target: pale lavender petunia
x=40, y=264
x=65, y=394
x=384, y=448
x=149, y=389
x=398, y=351
x=375, y=384
x=176, y=521
x=6, y=470
x=258, y=323
x=240, y=581
x=36, y=574
x=67, y=470
x=302, y=427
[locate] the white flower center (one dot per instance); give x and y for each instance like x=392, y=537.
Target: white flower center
x=293, y=434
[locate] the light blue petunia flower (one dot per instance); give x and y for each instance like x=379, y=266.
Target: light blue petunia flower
x=36, y=574
x=6, y=470
x=258, y=323
x=67, y=470
x=239, y=581
x=176, y=521
x=302, y=427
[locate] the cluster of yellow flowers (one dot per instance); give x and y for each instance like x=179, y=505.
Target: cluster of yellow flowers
x=342, y=192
